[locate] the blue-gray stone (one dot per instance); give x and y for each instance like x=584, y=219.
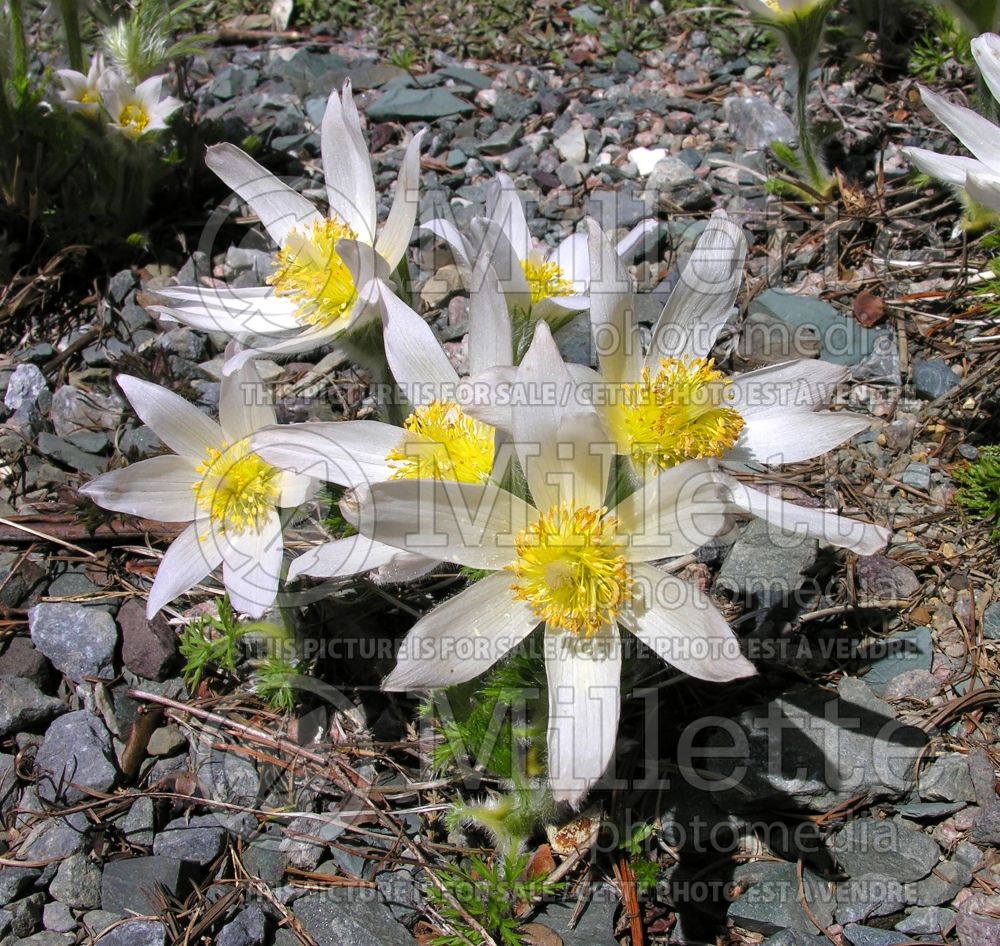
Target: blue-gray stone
x=75, y=756
x=927, y=920
x=991, y=622
x=24, y=706
x=198, y=840
x=899, y=653
x=858, y=935
x=410, y=104
x=933, y=378
x=338, y=917
x=247, y=929
x=79, y=641
x=947, y=779
x=470, y=77
x=917, y=475
x=889, y=848
x=595, y=925
x=754, y=122
x=773, y=903
x=129, y=885
x=136, y=933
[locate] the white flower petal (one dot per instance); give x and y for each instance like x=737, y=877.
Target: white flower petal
x=462, y=637
x=632, y=240
x=159, y=488
x=572, y=256
x=679, y=622
x=791, y=386
x=418, y=362
x=349, y=453
x=251, y=565
x=178, y=423
x=448, y=233
x=828, y=527
x=254, y=311
x=403, y=568
x=504, y=208
x=496, y=246
x=490, y=341
x=702, y=300
x=950, y=168
x=244, y=403
x=398, y=228
x=485, y=396
x=978, y=134
x=776, y=439
x=295, y=489
x=471, y=524
x=187, y=561
x=342, y=558
x=584, y=683
x=986, y=52
x=674, y=514
x=985, y=189
x=612, y=311
x=279, y=207
x=347, y=166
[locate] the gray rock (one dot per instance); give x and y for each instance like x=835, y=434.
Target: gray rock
x=16, y=881
x=76, y=752
x=136, y=933
x=97, y=921
x=977, y=930
x=869, y=895
x=137, y=825
x=149, y=645
x=595, y=926
x=929, y=810
x=129, y=885
x=572, y=144
x=986, y=826
x=24, y=706
x=901, y=652
x=414, y=104
x=58, y=918
x=504, y=139
x=917, y=475
x=20, y=578
x=248, y=929
x=913, y=685
x=889, y=848
x=264, y=860
x=626, y=64
x=8, y=784
x=77, y=883
x=401, y=890
x=74, y=410
x=48, y=939
x=68, y=454
x=926, y=920
x=872, y=936
x=991, y=622
x=773, y=903
x=26, y=915
x=790, y=938
x=511, y=107
x=306, y=841
x=672, y=182
x=80, y=641
x=933, y=378
x=765, y=564
x=122, y=283
x=198, y=840
x=947, y=778
x=338, y=917
x=6, y=921
x=140, y=441
x=27, y=392
x=754, y=122
x=881, y=578
x=882, y=365
x=56, y=837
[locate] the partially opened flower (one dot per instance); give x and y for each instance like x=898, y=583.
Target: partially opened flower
x=214, y=481
x=438, y=439
x=979, y=175
x=564, y=560
x=549, y=283
x=82, y=93
x=139, y=111
x=672, y=404
x=324, y=265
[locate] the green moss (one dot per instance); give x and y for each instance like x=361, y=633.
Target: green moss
x=980, y=492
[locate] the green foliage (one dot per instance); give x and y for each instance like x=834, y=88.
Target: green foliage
x=646, y=872
x=943, y=40
x=510, y=817
x=274, y=682
x=334, y=521
x=980, y=492
x=490, y=892
x=139, y=42
x=211, y=642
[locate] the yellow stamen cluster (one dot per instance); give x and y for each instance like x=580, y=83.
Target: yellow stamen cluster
x=312, y=274
x=237, y=488
x=569, y=567
x=677, y=414
x=449, y=445
x=545, y=280
x=132, y=116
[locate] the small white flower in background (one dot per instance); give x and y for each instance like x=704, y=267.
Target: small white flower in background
x=778, y=10
x=672, y=404
x=138, y=111
x=229, y=495
x=979, y=175
x=566, y=561
x=438, y=440
x=82, y=93
x=551, y=284
x=325, y=265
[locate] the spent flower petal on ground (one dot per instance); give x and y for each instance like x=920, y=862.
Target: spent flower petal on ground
x=564, y=559
x=324, y=265
x=214, y=481
x=979, y=176
x=672, y=404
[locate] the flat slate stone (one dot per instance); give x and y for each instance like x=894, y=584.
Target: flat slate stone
x=339, y=917
x=129, y=885
x=899, y=653
x=75, y=755
x=80, y=641
x=411, y=104
x=23, y=706
x=889, y=848
x=773, y=903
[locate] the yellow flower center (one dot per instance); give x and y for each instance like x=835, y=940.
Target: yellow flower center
x=237, y=488
x=675, y=415
x=89, y=95
x=451, y=446
x=545, y=280
x=132, y=116
x=312, y=274
x=569, y=567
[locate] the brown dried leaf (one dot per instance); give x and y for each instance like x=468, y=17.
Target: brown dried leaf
x=869, y=309
x=541, y=863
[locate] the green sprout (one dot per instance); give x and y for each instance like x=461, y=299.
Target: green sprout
x=274, y=682
x=980, y=492
x=211, y=642
x=139, y=42
x=491, y=893
x=944, y=40
x=646, y=872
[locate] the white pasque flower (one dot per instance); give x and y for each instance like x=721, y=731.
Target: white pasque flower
x=134, y=112
x=980, y=174
x=565, y=561
x=782, y=10
x=549, y=283
x=325, y=265
x=672, y=404
x=438, y=440
x=229, y=495
x=82, y=93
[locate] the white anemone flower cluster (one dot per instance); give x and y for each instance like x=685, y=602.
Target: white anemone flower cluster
x=572, y=494
x=978, y=176
x=131, y=111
